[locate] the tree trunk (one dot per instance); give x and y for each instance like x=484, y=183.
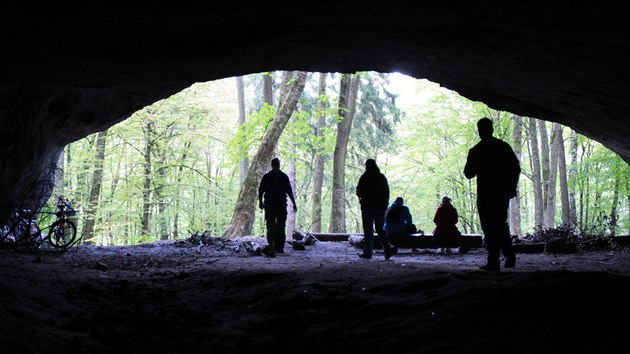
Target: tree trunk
x=268, y=88
x=59, y=176
x=550, y=212
x=95, y=188
x=613, y=210
x=240, y=92
x=572, y=180
x=515, y=203
x=245, y=209
x=347, y=98
x=292, y=179
x=536, y=179
x=545, y=167
x=146, y=187
x=161, y=200
x=562, y=173
x=318, y=170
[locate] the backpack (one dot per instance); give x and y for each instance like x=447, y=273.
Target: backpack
x=393, y=214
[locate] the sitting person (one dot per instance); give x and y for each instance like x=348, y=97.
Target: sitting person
x=445, y=219
x=398, y=222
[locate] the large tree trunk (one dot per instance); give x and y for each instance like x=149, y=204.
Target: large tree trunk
x=161, y=200
x=615, y=202
x=146, y=187
x=245, y=209
x=290, y=212
x=59, y=177
x=318, y=168
x=564, y=188
x=536, y=179
x=550, y=211
x=544, y=166
x=240, y=92
x=515, y=203
x=268, y=88
x=95, y=188
x=347, y=101
x=178, y=179
x=572, y=178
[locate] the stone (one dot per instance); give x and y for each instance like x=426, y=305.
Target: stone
x=67, y=73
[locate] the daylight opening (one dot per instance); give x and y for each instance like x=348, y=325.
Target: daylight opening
x=178, y=167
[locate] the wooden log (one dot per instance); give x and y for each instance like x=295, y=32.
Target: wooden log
x=529, y=247
x=331, y=237
x=423, y=241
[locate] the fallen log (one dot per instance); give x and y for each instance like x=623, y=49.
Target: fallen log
x=466, y=242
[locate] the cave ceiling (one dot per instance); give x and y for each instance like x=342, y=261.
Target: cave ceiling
x=90, y=66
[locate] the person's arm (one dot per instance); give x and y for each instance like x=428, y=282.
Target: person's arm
x=470, y=170
x=386, y=189
x=261, y=191
x=360, y=187
x=290, y=193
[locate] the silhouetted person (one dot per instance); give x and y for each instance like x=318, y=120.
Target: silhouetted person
x=373, y=193
x=497, y=170
x=445, y=220
x=272, y=196
x=398, y=221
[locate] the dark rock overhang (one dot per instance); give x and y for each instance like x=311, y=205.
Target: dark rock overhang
x=88, y=67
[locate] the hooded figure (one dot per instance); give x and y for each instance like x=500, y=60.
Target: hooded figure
x=445, y=219
x=398, y=220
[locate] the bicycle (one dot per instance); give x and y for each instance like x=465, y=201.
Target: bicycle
x=59, y=235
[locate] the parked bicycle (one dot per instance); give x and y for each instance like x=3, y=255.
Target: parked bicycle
x=26, y=232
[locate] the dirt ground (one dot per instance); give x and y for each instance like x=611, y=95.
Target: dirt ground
x=176, y=297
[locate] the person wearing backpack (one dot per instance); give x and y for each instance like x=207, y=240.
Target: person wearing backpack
x=398, y=221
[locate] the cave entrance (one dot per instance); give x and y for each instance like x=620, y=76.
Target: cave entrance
x=175, y=168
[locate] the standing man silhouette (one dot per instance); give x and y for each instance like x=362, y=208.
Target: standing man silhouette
x=272, y=197
x=497, y=169
x=373, y=193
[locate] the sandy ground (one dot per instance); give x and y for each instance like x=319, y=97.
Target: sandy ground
x=174, y=297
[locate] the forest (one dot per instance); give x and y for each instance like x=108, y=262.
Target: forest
x=191, y=163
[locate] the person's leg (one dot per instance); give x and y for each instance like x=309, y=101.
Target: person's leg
x=379, y=220
x=487, y=218
x=281, y=234
x=503, y=231
x=368, y=233
x=270, y=223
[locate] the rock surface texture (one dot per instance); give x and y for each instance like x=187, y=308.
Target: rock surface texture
x=66, y=73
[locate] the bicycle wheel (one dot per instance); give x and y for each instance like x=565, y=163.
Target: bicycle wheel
x=62, y=233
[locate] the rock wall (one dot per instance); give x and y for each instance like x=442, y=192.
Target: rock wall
x=66, y=73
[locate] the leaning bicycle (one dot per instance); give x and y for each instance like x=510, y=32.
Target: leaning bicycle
x=27, y=233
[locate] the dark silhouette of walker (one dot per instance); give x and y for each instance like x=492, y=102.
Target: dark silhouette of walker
x=373, y=193
x=272, y=197
x=497, y=169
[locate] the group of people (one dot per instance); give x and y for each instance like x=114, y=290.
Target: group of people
x=492, y=161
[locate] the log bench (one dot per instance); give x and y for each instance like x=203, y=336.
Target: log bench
x=467, y=241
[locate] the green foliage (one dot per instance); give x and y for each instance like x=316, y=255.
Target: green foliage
x=196, y=146
x=244, y=142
